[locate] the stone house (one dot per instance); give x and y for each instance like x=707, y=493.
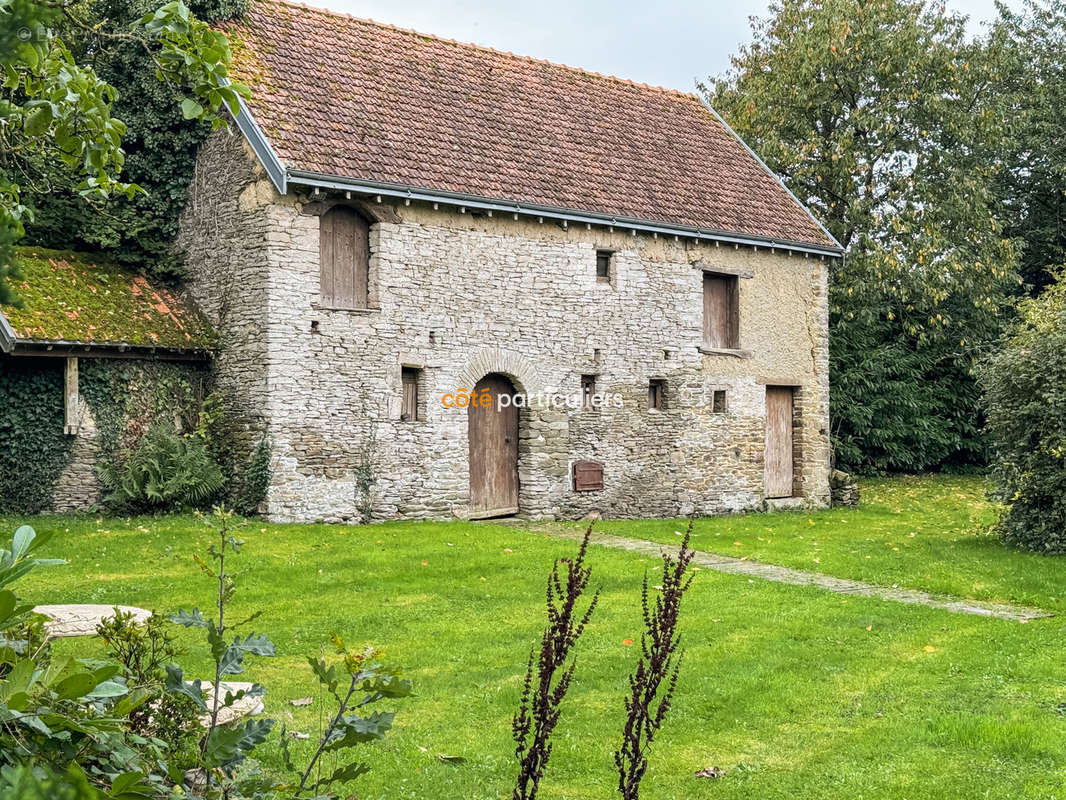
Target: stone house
x=404, y=222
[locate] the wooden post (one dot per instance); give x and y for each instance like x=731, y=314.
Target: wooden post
x=72, y=405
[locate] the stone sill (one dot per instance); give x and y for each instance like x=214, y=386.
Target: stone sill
x=492, y=513
x=724, y=351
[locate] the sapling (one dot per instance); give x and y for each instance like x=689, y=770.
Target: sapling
x=368, y=682
x=546, y=686
x=223, y=747
x=653, y=682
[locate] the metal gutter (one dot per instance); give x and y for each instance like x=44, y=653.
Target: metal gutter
x=7, y=334
x=480, y=203
x=772, y=174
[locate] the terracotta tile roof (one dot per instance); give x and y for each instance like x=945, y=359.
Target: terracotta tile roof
x=357, y=99
x=73, y=297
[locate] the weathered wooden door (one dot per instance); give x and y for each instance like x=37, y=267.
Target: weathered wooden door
x=493, y=433
x=779, y=441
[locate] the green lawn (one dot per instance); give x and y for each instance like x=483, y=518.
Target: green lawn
x=929, y=532
x=796, y=692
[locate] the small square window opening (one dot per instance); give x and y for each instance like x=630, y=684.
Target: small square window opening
x=588, y=390
x=718, y=401
x=603, y=265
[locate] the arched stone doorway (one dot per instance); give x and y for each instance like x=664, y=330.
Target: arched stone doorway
x=493, y=435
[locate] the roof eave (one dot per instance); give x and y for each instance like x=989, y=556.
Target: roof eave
x=264, y=151
x=481, y=203
x=281, y=177
x=66, y=347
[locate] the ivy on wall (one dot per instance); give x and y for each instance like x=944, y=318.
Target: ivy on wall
x=33, y=448
x=124, y=397
x=127, y=399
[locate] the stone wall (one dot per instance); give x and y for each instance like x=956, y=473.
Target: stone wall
x=224, y=233
x=460, y=296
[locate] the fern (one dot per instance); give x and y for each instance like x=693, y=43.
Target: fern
x=164, y=469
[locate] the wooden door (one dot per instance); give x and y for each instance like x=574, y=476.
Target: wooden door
x=779, y=441
x=493, y=433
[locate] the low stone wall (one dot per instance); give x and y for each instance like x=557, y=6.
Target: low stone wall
x=844, y=489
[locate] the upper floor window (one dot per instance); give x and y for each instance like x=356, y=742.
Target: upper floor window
x=344, y=258
x=721, y=311
x=588, y=391
x=603, y=265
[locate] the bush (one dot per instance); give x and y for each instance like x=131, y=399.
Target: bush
x=163, y=470
x=1025, y=396
x=256, y=480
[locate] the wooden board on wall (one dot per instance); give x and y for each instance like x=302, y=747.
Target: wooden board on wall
x=779, y=456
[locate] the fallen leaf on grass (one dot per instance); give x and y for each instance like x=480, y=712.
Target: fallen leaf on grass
x=301, y=701
x=298, y=735
x=447, y=759
x=627, y=642
x=929, y=648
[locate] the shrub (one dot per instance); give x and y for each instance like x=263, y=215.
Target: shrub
x=164, y=469
x=63, y=717
x=256, y=480
x=1025, y=396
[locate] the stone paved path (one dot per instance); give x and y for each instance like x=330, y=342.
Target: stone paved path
x=772, y=572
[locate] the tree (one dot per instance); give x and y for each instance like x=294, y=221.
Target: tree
x=1025, y=392
x=876, y=115
x=1032, y=44
x=160, y=147
x=56, y=112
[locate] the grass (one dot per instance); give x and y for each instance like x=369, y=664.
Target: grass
x=793, y=691
x=928, y=532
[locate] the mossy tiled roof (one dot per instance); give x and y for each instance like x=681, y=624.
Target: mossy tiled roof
x=75, y=297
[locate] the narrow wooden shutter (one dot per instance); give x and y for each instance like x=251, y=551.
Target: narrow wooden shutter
x=344, y=247
x=720, y=311
x=409, y=411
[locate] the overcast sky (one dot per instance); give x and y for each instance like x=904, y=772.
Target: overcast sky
x=670, y=43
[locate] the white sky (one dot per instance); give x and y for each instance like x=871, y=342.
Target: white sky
x=670, y=43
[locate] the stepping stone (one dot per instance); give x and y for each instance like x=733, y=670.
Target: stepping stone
x=82, y=619
x=245, y=707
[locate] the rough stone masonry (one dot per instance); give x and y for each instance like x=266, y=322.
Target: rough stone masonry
x=458, y=296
